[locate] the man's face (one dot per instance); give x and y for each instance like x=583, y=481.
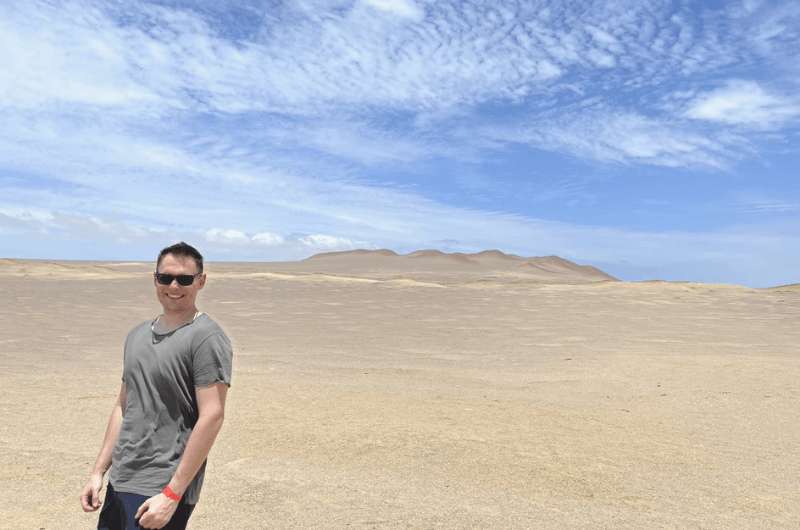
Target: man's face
x=175, y=297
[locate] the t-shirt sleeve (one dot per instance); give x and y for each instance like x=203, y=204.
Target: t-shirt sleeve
x=124, y=353
x=213, y=361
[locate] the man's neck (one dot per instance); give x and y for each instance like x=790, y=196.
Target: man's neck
x=175, y=319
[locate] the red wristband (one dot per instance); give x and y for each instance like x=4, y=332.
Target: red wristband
x=171, y=494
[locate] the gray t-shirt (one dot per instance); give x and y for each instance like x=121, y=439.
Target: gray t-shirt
x=160, y=374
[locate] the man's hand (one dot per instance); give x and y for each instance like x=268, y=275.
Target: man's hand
x=156, y=511
x=90, y=496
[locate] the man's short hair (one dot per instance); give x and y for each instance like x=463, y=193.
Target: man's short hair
x=182, y=250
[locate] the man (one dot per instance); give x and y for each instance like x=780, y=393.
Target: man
x=176, y=374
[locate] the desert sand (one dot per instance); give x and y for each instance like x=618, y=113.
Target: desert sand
x=425, y=391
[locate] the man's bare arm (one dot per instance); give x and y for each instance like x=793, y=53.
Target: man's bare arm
x=211, y=414
x=103, y=461
x=90, y=499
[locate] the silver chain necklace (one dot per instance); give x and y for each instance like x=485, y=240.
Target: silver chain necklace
x=159, y=336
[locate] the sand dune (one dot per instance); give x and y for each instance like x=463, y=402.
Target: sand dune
x=435, y=256
x=789, y=287
x=450, y=394
x=434, y=264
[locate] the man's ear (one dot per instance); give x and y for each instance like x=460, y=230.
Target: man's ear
x=202, y=281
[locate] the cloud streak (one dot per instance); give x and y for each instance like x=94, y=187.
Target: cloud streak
x=744, y=103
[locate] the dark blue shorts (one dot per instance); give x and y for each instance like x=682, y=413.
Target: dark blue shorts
x=120, y=507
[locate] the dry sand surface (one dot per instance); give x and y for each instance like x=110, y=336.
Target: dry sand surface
x=373, y=390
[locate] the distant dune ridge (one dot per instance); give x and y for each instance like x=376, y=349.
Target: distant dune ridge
x=487, y=261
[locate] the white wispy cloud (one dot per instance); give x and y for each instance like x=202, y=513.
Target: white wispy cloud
x=357, y=140
x=770, y=207
x=621, y=136
x=744, y=103
x=268, y=239
x=58, y=224
x=227, y=237
x=403, y=8
x=324, y=241
x=754, y=201
x=27, y=215
x=221, y=235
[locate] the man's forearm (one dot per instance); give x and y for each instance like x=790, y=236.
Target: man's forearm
x=103, y=461
x=197, y=448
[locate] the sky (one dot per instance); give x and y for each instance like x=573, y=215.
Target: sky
x=652, y=139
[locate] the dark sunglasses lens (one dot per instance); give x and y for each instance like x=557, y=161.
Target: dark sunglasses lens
x=166, y=279
x=185, y=279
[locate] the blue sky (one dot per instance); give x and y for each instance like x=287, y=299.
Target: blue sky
x=651, y=139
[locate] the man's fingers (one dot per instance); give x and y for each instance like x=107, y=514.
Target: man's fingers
x=90, y=495
x=84, y=502
x=142, y=509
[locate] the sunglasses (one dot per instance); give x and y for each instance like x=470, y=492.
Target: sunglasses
x=182, y=279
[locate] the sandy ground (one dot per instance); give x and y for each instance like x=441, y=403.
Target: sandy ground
x=421, y=400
